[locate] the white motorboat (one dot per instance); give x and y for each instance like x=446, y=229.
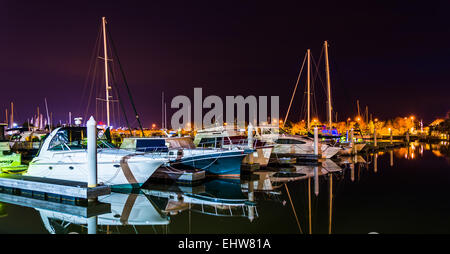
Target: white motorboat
x=225, y=137
x=293, y=144
x=63, y=155
x=286, y=144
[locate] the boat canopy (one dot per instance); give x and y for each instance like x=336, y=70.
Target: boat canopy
x=69, y=138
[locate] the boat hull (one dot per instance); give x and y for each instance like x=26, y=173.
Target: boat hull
x=295, y=149
x=223, y=164
x=128, y=171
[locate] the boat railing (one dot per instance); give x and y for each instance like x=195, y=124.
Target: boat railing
x=156, y=151
x=225, y=210
x=222, y=207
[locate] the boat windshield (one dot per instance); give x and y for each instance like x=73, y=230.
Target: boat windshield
x=74, y=138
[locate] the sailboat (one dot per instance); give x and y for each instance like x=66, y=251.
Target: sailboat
x=300, y=145
x=327, y=133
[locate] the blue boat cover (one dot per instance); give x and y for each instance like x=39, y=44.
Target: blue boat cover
x=151, y=145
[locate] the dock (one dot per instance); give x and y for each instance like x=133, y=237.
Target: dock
x=382, y=145
x=295, y=157
x=84, y=211
x=53, y=189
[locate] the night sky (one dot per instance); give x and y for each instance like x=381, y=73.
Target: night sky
x=394, y=57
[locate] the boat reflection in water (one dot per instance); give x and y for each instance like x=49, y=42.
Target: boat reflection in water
x=272, y=180
x=216, y=197
x=127, y=209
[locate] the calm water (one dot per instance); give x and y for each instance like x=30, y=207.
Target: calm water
x=401, y=191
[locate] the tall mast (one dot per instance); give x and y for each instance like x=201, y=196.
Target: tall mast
x=106, y=70
x=325, y=44
x=162, y=111
x=165, y=116
x=37, y=119
x=308, y=91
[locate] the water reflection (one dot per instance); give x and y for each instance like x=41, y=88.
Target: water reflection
x=277, y=184
x=271, y=181
x=217, y=197
x=134, y=209
x=415, y=149
x=302, y=198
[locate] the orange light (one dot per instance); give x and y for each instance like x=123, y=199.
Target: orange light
x=153, y=125
x=376, y=119
x=358, y=119
x=412, y=117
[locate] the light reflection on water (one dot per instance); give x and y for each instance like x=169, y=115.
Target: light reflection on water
x=395, y=191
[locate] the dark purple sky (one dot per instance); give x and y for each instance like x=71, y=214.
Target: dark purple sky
x=393, y=57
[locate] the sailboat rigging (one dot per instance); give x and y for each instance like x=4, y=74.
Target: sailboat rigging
x=310, y=109
x=110, y=82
